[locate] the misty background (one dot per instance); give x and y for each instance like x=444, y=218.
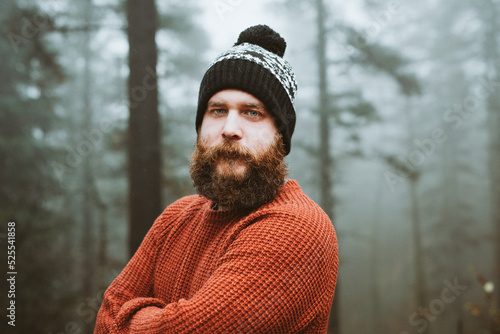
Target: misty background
x=397, y=138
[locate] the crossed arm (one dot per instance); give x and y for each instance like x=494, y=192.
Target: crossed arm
x=267, y=282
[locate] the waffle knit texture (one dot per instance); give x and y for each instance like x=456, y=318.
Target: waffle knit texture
x=205, y=271
x=255, y=65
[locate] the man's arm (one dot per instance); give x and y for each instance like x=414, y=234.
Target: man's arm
x=275, y=277
x=133, y=285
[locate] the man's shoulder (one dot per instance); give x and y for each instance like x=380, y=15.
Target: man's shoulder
x=292, y=215
x=182, y=206
x=185, y=204
x=292, y=199
x=293, y=207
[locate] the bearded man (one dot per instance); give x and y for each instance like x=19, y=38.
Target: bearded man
x=251, y=253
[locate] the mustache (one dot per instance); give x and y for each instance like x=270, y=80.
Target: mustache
x=226, y=150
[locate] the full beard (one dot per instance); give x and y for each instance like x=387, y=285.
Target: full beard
x=235, y=178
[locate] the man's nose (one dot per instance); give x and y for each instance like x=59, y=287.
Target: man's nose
x=232, y=126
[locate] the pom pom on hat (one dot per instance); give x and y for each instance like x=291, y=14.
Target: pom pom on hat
x=265, y=37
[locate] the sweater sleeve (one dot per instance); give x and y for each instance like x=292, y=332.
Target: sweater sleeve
x=277, y=276
x=132, y=289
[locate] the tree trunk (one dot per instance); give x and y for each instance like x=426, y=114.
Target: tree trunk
x=377, y=304
x=87, y=249
x=420, y=281
x=326, y=160
x=418, y=254
x=492, y=55
x=102, y=253
x=144, y=121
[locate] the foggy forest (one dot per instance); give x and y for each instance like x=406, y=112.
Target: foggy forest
x=397, y=139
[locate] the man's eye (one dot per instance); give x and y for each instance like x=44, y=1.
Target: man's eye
x=218, y=111
x=253, y=113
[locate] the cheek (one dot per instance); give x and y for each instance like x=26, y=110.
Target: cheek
x=209, y=132
x=265, y=135
x=206, y=139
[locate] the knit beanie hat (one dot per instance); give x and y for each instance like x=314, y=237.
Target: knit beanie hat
x=255, y=65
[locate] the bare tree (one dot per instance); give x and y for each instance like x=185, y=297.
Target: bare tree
x=144, y=121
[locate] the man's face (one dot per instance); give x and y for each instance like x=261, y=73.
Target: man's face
x=239, y=158
x=240, y=118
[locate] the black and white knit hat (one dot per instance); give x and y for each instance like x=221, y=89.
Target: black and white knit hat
x=255, y=65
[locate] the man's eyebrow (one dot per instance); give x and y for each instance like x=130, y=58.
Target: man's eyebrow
x=244, y=104
x=215, y=104
x=254, y=105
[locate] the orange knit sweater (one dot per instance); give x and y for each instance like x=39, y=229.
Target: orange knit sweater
x=205, y=271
